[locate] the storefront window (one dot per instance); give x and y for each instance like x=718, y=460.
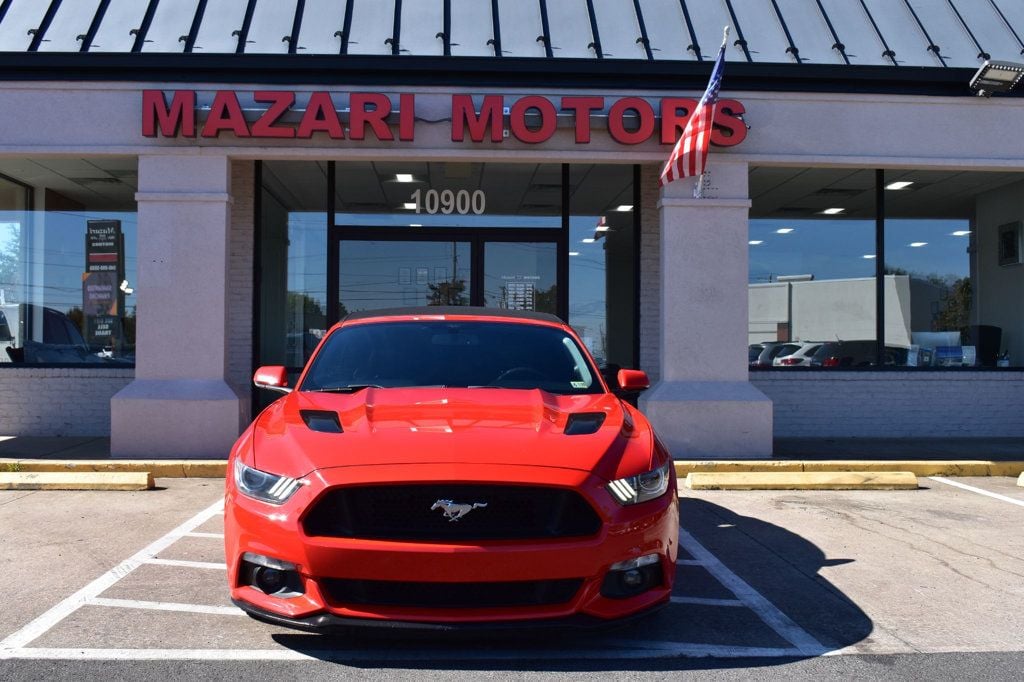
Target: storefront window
x=960, y=296
x=950, y=294
x=292, y=261
x=602, y=251
x=67, y=261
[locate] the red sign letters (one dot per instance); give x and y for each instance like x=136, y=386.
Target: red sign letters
x=532, y=119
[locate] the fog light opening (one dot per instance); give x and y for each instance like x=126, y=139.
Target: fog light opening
x=270, y=576
x=632, y=577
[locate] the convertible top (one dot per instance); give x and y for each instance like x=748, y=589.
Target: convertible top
x=455, y=310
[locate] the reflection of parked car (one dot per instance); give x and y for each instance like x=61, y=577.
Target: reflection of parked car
x=35, y=334
x=771, y=350
x=753, y=352
x=799, y=356
x=855, y=354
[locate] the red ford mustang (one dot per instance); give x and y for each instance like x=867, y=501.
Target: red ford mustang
x=449, y=467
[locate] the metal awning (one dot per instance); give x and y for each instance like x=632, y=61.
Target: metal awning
x=920, y=33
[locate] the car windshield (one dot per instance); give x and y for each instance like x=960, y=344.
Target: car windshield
x=462, y=354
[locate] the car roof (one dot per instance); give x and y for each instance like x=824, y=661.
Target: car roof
x=453, y=311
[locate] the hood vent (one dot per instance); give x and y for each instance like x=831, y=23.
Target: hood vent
x=584, y=423
x=321, y=420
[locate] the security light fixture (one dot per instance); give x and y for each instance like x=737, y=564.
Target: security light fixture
x=404, y=177
x=902, y=184
x=996, y=76
x=409, y=206
x=833, y=211
x=624, y=208
x=784, y=230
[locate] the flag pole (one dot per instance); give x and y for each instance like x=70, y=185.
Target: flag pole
x=698, y=189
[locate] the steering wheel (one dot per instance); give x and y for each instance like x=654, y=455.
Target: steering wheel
x=521, y=373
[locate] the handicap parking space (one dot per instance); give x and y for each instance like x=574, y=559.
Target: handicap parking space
x=773, y=575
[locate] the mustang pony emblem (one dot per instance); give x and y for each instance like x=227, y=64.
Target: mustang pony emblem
x=453, y=511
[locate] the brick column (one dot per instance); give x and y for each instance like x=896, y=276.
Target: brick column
x=704, y=404
x=180, y=404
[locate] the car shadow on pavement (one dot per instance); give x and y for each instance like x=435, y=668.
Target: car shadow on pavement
x=747, y=592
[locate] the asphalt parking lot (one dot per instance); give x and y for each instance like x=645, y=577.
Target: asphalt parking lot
x=816, y=580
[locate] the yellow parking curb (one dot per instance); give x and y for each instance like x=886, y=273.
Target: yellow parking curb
x=160, y=468
x=800, y=480
x=917, y=467
x=62, y=480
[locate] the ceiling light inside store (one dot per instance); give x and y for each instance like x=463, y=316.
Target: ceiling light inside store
x=960, y=233
x=755, y=242
x=415, y=224
x=588, y=240
x=784, y=230
x=601, y=228
x=625, y=208
x=574, y=253
x=404, y=177
x=409, y=206
x=868, y=256
x=902, y=184
x=917, y=245
x=833, y=211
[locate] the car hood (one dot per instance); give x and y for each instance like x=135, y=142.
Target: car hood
x=451, y=426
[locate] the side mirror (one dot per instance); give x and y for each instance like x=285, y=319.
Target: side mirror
x=273, y=378
x=633, y=380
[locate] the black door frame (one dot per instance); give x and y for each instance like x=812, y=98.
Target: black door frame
x=477, y=238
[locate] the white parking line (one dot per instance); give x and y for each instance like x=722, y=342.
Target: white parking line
x=166, y=606
x=958, y=484
x=765, y=610
x=688, y=562
x=702, y=601
x=66, y=607
x=204, y=535
x=182, y=563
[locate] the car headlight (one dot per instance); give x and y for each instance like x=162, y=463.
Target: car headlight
x=263, y=486
x=641, y=488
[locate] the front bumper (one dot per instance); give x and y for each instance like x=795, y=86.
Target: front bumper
x=626, y=532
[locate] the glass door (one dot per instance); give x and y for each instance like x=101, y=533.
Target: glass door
x=399, y=270
x=521, y=276
x=391, y=273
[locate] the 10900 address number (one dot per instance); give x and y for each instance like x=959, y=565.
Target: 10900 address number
x=462, y=202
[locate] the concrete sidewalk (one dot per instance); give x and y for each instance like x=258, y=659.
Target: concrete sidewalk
x=990, y=449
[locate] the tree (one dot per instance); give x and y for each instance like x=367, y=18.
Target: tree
x=956, y=314
x=448, y=293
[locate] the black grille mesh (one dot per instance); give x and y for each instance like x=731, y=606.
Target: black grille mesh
x=403, y=512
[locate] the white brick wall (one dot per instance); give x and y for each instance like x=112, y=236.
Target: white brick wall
x=650, y=272
x=895, y=404
x=240, y=265
x=58, y=402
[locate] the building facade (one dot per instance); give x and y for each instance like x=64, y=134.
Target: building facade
x=193, y=188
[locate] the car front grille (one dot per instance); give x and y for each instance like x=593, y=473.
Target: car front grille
x=451, y=595
x=413, y=512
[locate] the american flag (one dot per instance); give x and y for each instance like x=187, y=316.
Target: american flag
x=690, y=155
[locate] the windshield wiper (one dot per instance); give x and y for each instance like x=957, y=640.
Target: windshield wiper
x=351, y=388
